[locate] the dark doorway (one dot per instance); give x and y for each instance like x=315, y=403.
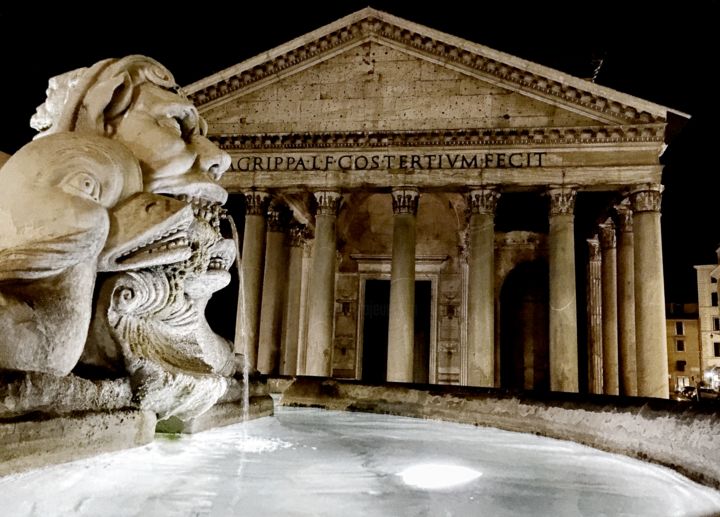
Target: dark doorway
x=421, y=356
x=375, y=330
x=524, y=332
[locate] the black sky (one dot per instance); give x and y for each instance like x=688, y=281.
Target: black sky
x=665, y=55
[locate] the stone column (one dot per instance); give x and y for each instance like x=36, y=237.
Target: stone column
x=401, y=329
x=321, y=300
x=304, y=295
x=273, y=290
x=563, y=302
x=594, y=316
x=247, y=322
x=626, y=302
x=481, y=287
x=651, y=340
x=611, y=377
x=291, y=319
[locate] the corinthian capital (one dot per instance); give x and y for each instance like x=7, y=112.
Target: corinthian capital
x=278, y=217
x=647, y=197
x=625, y=217
x=483, y=200
x=328, y=202
x=607, y=234
x=297, y=234
x=562, y=200
x=593, y=248
x=405, y=200
x=256, y=202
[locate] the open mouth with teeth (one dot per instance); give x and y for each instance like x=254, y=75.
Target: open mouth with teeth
x=147, y=230
x=222, y=255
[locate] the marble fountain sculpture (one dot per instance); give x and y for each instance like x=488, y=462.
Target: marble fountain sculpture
x=111, y=246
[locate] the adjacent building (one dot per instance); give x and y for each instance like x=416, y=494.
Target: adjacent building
x=411, y=203
x=709, y=316
x=683, y=333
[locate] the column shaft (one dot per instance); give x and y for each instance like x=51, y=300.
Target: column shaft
x=481, y=287
x=652, y=365
x=594, y=314
x=273, y=292
x=304, y=297
x=626, y=303
x=401, y=329
x=291, y=320
x=609, y=309
x=321, y=302
x=563, y=302
x=251, y=272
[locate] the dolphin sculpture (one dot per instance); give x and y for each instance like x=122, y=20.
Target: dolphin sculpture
x=54, y=223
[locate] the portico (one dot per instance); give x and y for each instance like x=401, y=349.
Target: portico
x=411, y=156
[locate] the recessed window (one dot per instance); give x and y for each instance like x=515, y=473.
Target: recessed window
x=716, y=324
x=716, y=345
x=679, y=328
x=680, y=345
x=714, y=299
x=713, y=280
x=680, y=366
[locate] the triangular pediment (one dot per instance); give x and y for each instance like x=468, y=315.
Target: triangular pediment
x=376, y=87
x=373, y=71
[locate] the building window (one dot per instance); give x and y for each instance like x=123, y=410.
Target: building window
x=714, y=299
x=680, y=345
x=713, y=280
x=680, y=366
x=681, y=382
x=679, y=328
x=716, y=324
x=716, y=345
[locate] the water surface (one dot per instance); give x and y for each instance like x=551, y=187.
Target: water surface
x=310, y=462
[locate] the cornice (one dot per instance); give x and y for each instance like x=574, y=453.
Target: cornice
x=445, y=138
x=516, y=73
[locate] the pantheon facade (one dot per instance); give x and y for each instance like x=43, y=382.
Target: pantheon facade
x=415, y=207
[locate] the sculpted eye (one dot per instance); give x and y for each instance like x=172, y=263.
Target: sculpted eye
x=82, y=184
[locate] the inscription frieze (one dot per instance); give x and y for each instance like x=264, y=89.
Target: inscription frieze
x=387, y=161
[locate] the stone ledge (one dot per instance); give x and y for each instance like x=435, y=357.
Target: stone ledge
x=30, y=443
x=225, y=413
x=681, y=436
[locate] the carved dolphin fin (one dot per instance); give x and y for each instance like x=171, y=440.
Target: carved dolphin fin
x=146, y=230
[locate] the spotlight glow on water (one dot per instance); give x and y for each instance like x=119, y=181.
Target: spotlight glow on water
x=434, y=476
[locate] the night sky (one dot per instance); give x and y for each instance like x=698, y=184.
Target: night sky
x=663, y=55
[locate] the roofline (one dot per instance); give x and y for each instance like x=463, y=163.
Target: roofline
x=523, y=64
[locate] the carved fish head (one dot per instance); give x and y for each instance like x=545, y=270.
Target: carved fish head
x=55, y=199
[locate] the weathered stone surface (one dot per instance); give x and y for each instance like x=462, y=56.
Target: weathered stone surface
x=683, y=437
x=54, y=223
x=376, y=86
x=150, y=322
x=33, y=443
x=52, y=395
x=219, y=415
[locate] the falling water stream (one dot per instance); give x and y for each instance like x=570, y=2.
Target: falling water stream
x=244, y=346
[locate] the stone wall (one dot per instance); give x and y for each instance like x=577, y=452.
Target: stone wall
x=681, y=436
x=375, y=86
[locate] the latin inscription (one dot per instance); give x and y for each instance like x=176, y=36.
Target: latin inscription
x=390, y=162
